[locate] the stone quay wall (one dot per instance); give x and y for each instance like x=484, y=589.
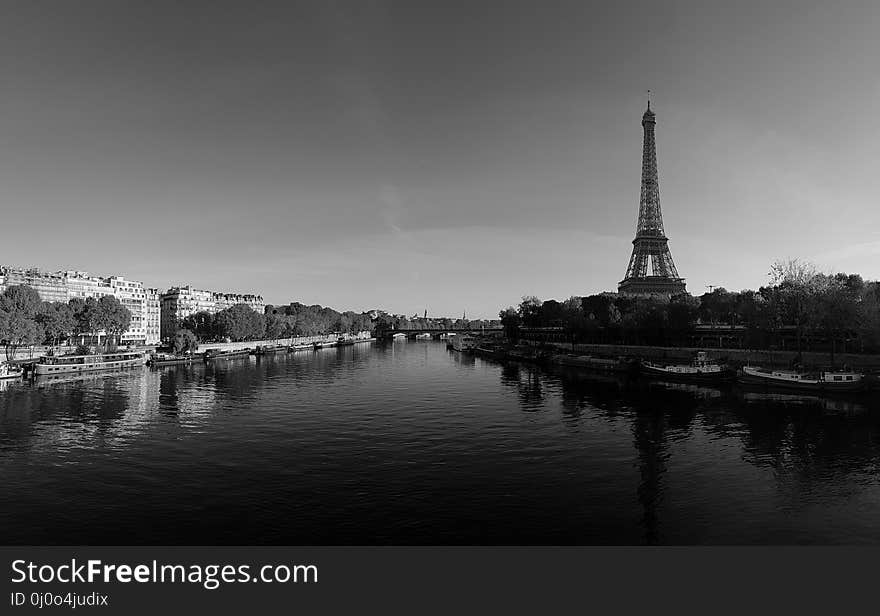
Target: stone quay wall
x=775, y=359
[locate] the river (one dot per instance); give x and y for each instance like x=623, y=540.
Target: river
x=411, y=443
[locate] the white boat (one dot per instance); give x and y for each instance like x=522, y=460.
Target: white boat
x=398, y=336
x=423, y=336
x=464, y=342
x=67, y=364
x=10, y=371
x=794, y=379
x=700, y=369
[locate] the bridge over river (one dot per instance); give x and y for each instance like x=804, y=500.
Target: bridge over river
x=436, y=332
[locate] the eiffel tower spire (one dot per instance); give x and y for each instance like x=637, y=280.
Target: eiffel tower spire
x=650, y=246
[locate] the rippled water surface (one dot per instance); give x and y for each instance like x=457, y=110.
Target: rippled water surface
x=408, y=443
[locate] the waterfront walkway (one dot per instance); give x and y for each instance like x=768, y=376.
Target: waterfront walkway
x=30, y=354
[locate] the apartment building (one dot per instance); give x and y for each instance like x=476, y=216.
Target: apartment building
x=51, y=287
x=70, y=284
x=226, y=300
x=153, y=316
x=177, y=303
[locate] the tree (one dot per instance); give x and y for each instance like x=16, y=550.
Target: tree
x=719, y=306
x=382, y=325
x=202, y=324
x=510, y=321
x=552, y=313
x=817, y=307
x=754, y=313
x=17, y=330
x=797, y=283
x=20, y=299
x=342, y=323
x=239, y=322
x=113, y=317
x=57, y=321
x=869, y=316
x=184, y=341
x=682, y=316
x=653, y=321
x=18, y=327
x=530, y=311
x=596, y=307
x=289, y=330
x=837, y=306
x=274, y=326
x=93, y=316
x=77, y=308
x=86, y=316
x=575, y=321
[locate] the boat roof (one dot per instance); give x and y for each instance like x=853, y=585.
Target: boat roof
x=93, y=355
x=804, y=373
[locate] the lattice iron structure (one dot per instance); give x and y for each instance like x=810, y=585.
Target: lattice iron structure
x=651, y=269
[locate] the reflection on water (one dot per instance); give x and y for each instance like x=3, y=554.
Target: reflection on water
x=527, y=382
x=852, y=405
x=404, y=443
x=702, y=392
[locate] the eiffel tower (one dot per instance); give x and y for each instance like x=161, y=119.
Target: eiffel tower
x=650, y=245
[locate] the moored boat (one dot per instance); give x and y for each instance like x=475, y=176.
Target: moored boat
x=211, y=354
x=10, y=371
x=66, y=364
x=168, y=359
x=270, y=348
x=528, y=353
x=464, y=342
x=825, y=380
x=602, y=364
x=700, y=369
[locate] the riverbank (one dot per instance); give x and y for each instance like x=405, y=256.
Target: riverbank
x=35, y=352
x=736, y=357
x=324, y=341
x=634, y=365
x=298, y=343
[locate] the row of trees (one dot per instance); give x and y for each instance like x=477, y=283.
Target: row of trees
x=240, y=322
x=25, y=320
x=608, y=318
x=800, y=302
x=303, y=320
x=295, y=319
x=385, y=321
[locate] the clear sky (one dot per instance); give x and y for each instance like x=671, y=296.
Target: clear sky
x=445, y=156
